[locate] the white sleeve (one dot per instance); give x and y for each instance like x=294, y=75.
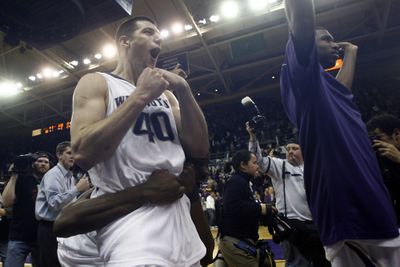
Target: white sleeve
x=275, y=168
x=263, y=162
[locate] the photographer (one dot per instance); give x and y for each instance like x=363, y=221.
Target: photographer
x=241, y=215
x=385, y=130
x=20, y=195
x=303, y=247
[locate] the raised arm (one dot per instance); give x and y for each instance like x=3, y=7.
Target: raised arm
x=188, y=116
x=346, y=73
x=254, y=147
x=92, y=133
x=9, y=191
x=301, y=20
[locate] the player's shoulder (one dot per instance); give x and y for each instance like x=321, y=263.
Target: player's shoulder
x=91, y=83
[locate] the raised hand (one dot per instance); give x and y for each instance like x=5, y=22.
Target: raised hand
x=387, y=150
x=151, y=84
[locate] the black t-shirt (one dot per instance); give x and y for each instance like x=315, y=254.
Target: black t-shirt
x=23, y=224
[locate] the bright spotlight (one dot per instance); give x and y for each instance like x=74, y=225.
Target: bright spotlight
x=32, y=78
x=19, y=85
x=55, y=74
x=9, y=89
x=214, y=18
x=258, y=5
x=98, y=56
x=164, y=33
x=47, y=72
x=86, y=61
x=109, y=51
x=39, y=75
x=177, y=28
x=203, y=21
x=216, y=90
x=273, y=1
x=74, y=63
x=229, y=9
x=188, y=27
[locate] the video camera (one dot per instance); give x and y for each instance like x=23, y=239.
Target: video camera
x=257, y=121
x=279, y=228
x=22, y=164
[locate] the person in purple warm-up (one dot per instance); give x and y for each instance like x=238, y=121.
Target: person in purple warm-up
x=357, y=223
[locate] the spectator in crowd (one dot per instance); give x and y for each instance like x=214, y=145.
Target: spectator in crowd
x=56, y=190
x=336, y=148
x=385, y=130
x=241, y=214
x=210, y=208
x=20, y=195
x=303, y=248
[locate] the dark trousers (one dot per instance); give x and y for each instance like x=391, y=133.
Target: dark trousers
x=307, y=241
x=47, y=242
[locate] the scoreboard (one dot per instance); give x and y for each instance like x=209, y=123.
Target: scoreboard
x=62, y=126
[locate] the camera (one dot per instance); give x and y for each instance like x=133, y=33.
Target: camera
x=23, y=163
x=257, y=121
x=279, y=228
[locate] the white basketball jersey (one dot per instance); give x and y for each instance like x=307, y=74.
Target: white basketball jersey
x=160, y=235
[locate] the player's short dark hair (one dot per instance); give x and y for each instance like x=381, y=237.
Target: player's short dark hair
x=61, y=147
x=239, y=157
x=386, y=123
x=129, y=26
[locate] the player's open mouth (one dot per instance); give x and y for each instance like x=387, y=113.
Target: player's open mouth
x=155, y=52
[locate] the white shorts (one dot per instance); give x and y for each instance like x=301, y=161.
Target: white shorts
x=381, y=252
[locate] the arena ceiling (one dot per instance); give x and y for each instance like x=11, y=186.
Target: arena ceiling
x=227, y=59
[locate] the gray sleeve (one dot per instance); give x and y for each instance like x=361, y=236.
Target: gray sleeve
x=263, y=162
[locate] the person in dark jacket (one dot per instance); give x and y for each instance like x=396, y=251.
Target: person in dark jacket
x=241, y=214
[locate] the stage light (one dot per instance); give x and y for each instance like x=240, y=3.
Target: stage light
x=214, y=18
x=164, y=33
x=229, y=9
x=47, y=72
x=273, y=77
x=8, y=89
x=98, y=56
x=32, y=78
x=188, y=27
x=19, y=85
x=258, y=5
x=86, y=61
x=74, y=63
x=39, y=75
x=216, y=90
x=109, y=51
x=177, y=28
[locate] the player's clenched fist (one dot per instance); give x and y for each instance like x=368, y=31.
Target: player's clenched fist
x=151, y=84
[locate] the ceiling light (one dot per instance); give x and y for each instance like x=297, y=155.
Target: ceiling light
x=203, y=21
x=8, y=89
x=273, y=1
x=47, y=72
x=229, y=9
x=177, y=28
x=258, y=5
x=164, y=33
x=74, y=63
x=214, y=18
x=60, y=71
x=216, y=90
x=273, y=77
x=19, y=85
x=39, y=75
x=86, y=61
x=198, y=94
x=98, y=56
x=32, y=78
x=109, y=51
x=56, y=74
x=188, y=27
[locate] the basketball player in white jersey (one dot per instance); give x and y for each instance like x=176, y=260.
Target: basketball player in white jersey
x=125, y=125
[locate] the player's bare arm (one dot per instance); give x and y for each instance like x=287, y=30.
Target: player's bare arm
x=188, y=116
x=301, y=20
x=92, y=133
x=346, y=73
